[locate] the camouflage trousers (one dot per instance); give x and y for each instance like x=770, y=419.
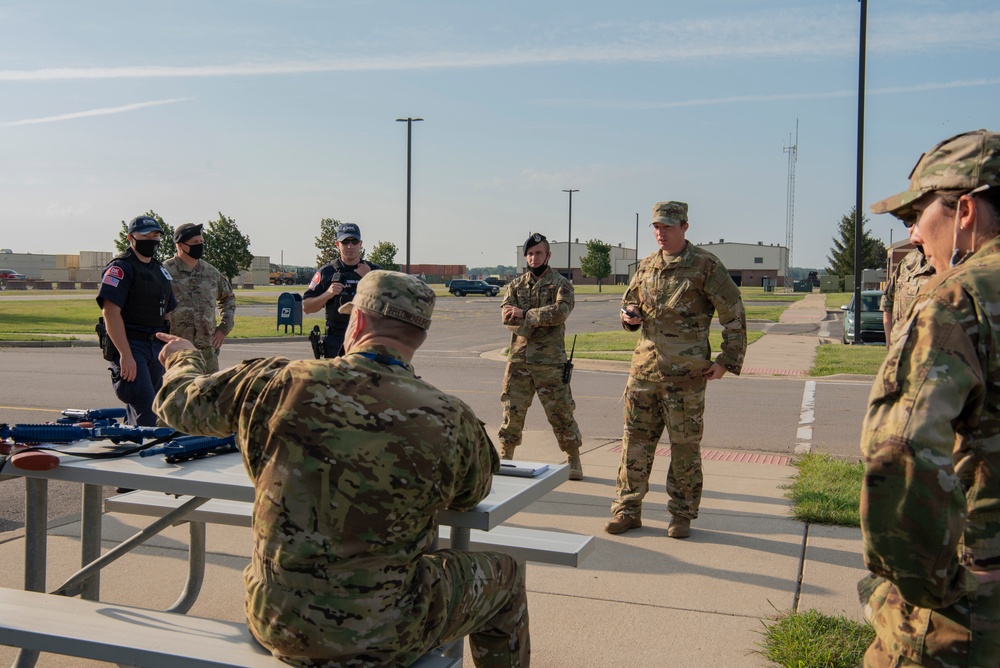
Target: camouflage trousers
x=456, y=594
x=520, y=383
x=965, y=634
x=649, y=407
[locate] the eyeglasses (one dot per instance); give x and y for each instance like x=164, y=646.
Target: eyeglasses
x=351, y=242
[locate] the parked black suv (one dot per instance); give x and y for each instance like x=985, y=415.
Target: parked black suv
x=461, y=287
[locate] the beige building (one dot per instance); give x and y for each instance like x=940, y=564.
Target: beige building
x=751, y=264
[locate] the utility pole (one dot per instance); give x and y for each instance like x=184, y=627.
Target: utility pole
x=858, y=216
x=569, y=239
x=409, y=146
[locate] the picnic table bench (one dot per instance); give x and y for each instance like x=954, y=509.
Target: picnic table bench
x=137, y=637
x=524, y=544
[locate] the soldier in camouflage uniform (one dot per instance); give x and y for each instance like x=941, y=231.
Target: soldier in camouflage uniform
x=199, y=289
x=901, y=289
x=352, y=458
x=535, y=307
x=930, y=499
x=672, y=298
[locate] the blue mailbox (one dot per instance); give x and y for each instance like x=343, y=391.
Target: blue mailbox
x=290, y=311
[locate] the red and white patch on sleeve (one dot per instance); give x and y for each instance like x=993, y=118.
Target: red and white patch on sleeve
x=317, y=277
x=114, y=271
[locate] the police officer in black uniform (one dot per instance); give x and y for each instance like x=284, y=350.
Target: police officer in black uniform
x=135, y=298
x=334, y=284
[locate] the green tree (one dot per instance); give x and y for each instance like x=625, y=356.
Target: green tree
x=226, y=248
x=164, y=251
x=384, y=255
x=841, y=257
x=597, y=263
x=326, y=242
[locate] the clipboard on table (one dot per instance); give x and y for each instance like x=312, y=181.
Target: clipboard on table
x=522, y=469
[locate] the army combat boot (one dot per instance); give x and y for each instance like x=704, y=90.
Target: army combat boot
x=575, y=465
x=679, y=527
x=623, y=523
x=507, y=451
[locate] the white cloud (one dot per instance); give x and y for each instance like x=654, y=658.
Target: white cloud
x=90, y=113
x=789, y=34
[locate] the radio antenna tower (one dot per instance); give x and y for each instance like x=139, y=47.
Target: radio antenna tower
x=793, y=152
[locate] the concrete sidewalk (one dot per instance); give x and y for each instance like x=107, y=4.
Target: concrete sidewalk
x=640, y=599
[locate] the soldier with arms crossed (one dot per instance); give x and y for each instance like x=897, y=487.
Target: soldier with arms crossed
x=930, y=498
x=535, y=307
x=200, y=289
x=672, y=298
x=351, y=459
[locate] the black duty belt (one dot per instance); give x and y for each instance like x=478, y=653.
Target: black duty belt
x=133, y=335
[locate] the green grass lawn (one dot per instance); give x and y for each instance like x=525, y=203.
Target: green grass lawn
x=833, y=358
x=826, y=490
x=604, y=345
x=812, y=639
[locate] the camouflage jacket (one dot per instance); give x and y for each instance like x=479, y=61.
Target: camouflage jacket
x=540, y=336
x=677, y=299
x=904, y=283
x=351, y=461
x=930, y=500
x=199, y=291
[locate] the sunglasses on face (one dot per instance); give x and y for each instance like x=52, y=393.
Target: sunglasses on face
x=351, y=242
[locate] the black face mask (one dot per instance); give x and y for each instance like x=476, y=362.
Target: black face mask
x=538, y=271
x=196, y=250
x=147, y=247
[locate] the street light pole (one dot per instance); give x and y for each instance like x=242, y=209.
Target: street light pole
x=637, y=241
x=569, y=239
x=409, y=148
x=858, y=216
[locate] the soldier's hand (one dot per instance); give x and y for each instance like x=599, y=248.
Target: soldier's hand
x=217, y=338
x=126, y=367
x=630, y=318
x=335, y=289
x=172, y=345
x=362, y=269
x=715, y=372
x=511, y=311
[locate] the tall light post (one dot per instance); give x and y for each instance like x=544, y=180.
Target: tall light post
x=858, y=216
x=409, y=147
x=569, y=239
x=636, y=241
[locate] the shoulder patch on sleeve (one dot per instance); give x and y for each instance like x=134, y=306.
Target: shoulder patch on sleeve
x=114, y=271
x=317, y=277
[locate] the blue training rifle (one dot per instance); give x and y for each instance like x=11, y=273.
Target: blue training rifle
x=183, y=448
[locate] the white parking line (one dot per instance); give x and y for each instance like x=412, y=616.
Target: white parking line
x=807, y=416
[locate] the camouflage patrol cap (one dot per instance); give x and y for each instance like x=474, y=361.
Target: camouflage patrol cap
x=969, y=161
x=670, y=213
x=394, y=295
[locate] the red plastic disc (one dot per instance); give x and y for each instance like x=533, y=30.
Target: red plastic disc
x=35, y=460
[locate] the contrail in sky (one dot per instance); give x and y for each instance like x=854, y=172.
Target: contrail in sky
x=107, y=111
x=776, y=97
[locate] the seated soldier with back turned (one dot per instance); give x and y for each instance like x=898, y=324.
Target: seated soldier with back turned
x=352, y=458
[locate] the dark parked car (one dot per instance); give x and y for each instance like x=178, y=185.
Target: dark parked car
x=871, y=318
x=462, y=287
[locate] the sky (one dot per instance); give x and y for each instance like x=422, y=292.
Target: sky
x=279, y=113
